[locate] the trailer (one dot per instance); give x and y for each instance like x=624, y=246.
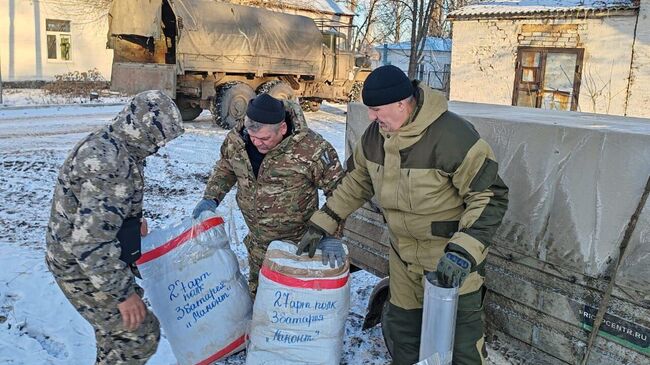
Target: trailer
x=576, y=181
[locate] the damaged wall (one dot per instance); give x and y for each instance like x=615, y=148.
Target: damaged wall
x=24, y=41
x=639, y=99
x=485, y=52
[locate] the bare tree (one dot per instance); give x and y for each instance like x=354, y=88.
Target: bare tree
x=363, y=35
x=599, y=89
x=420, y=12
x=86, y=11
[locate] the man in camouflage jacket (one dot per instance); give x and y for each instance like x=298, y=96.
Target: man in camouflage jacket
x=278, y=164
x=438, y=186
x=99, y=188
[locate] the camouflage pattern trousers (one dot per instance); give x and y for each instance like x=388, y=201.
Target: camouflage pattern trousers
x=115, y=345
x=256, y=254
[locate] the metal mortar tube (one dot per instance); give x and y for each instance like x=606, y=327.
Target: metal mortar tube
x=438, y=322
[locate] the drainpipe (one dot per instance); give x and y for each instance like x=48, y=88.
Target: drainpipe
x=38, y=69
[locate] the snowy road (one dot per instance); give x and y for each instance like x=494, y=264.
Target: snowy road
x=37, y=324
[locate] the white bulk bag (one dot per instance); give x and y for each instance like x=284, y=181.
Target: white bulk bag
x=300, y=309
x=192, y=279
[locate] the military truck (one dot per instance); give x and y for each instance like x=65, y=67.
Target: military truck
x=576, y=188
x=215, y=55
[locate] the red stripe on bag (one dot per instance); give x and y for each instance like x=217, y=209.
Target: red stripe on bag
x=224, y=351
x=308, y=284
x=190, y=233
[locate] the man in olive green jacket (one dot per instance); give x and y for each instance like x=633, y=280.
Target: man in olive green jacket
x=438, y=186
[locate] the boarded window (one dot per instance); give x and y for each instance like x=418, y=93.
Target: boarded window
x=59, y=40
x=548, y=78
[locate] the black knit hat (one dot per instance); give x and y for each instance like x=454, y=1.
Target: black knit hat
x=266, y=109
x=385, y=85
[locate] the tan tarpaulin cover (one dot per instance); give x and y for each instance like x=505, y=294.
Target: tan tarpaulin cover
x=227, y=37
x=139, y=17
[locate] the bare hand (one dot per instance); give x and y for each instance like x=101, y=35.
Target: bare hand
x=144, y=227
x=133, y=312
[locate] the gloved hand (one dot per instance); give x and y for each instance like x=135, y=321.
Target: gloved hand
x=333, y=251
x=453, y=269
x=310, y=240
x=203, y=205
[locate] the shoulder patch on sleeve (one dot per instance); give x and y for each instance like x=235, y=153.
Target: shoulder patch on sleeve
x=486, y=176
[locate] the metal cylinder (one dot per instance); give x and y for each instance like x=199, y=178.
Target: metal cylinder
x=438, y=322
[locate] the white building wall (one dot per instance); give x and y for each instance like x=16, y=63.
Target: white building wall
x=639, y=98
x=432, y=61
x=23, y=41
x=484, y=58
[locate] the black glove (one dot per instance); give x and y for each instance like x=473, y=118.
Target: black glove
x=310, y=240
x=453, y=269
x=333, y=252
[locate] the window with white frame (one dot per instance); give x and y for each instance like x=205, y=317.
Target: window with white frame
x=58, y=39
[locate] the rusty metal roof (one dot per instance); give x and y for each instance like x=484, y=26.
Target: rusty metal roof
x=541, y=8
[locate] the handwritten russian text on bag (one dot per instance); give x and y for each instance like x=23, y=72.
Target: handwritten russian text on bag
x=300, y=309
x=192, y=279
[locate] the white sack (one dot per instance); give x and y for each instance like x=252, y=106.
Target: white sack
x=192, y=279
x=300, y=309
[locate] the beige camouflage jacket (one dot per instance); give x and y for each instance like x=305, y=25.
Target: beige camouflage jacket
x=280, y=201
x=99, y=185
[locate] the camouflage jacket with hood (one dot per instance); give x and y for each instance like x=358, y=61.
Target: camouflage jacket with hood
x=100, y=185
x=278, y=203
x=435, y=179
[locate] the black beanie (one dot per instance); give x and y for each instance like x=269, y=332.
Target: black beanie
x=385, y=85
x=265, y=109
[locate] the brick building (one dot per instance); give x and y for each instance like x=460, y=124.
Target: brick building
x=580, y=55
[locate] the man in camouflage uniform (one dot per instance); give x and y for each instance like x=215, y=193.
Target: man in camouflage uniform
x=278, y=164
x=100, y=188
x=438, y=185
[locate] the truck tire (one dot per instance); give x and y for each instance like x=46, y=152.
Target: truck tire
x=310, y=105
x=188, y=112
x=377, y=309
x=229, y=106
x=355, y=91
x=277, y=89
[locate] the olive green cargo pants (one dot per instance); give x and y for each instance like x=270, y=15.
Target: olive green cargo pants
x=402, y=317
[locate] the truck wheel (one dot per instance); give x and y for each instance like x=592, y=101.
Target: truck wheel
x=310, y=105
x=188, y=111
x=230, y=104
x=355, y=91
x=277, y=89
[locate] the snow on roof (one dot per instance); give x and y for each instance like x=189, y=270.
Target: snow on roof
x=322, y=6
x=431, y=44
x=539, y=7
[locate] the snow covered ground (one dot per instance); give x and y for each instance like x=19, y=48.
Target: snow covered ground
x=20, y=97
x=37, y=324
